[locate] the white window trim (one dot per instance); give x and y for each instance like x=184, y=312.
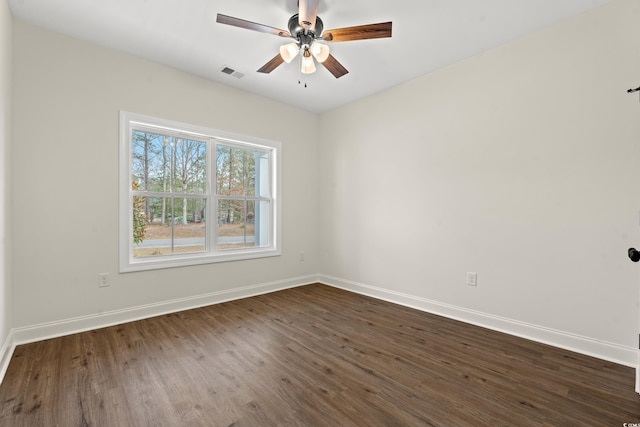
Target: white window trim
x=126, y=260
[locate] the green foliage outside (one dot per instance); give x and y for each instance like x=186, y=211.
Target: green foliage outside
x=139, y=217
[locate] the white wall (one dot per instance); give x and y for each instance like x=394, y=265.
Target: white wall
x=5, y=138
x=521, y=164
x=67, y=95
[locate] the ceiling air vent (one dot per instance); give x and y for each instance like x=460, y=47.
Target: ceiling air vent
x=231, y=72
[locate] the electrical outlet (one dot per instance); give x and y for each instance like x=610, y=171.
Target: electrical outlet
x=103, y=280
x=301, y=255
x=472, y=279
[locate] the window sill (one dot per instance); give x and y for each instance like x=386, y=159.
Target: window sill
x=142, y=264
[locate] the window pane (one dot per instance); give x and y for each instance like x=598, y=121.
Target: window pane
x=258, y=213
x=263, y=173
x=241, y=171
x=189, y=228
x=148, y=160
x=242, y=224
x=189, y=163
x=173, y=226
x=156, y=238
x=231, y=224
x=164, y=163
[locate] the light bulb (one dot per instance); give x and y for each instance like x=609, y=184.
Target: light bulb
x=307, y=66
x=289, y=51
x=320, y=51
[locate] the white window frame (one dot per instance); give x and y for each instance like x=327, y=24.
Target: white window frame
x=129, y=263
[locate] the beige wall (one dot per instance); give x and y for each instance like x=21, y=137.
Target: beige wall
x=67, y=97
x=521, y=164
x=6, y=49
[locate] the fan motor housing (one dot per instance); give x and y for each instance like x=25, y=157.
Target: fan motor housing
x=296, y=30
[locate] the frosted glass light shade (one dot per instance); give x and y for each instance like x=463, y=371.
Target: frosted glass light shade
x=320, y=51
x=307, y=66
x=289, y=51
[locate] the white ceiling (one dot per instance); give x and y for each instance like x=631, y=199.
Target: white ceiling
x=427, y=35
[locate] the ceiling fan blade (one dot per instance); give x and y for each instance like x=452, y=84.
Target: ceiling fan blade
x=307, y=13
x=334, y=67
x=237, y=22
x=271, y=65
x=361, y=32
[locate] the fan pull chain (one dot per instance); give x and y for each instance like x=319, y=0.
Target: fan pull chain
x=300, y=71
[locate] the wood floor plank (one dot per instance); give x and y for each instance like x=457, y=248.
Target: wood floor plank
x=309, y=356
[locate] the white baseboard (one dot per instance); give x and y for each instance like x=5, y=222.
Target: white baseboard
x=74, y=325
x=622, y=355
x=6, y=351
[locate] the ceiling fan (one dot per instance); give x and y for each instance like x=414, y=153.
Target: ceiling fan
x=307, y=30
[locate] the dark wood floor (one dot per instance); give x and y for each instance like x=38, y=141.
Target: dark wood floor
x=309, y=356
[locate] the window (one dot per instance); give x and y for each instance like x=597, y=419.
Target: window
x=192, y=195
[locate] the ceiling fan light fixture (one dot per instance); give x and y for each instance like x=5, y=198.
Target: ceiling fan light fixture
x=307, y=65
x=306, y=28
x=320, y=51
x=289, y=51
